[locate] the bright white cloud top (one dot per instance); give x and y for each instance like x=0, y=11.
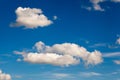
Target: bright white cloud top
x=64, y=54
x=31, y=18
x=4, y=76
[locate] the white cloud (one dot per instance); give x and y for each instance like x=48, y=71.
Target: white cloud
x=50, y=58
x=117, y=62
x=4, y=76
x=118, y=41
x=62, y=54
x=94, y=58
x=31, y=18
x=96, y=5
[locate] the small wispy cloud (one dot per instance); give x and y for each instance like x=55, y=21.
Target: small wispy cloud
x=117, y=62
x=84, y=41
x=117, y=1
x=111, y=54
x=17, y=76
x=90, y=74
x=98, y=45
x=113, y=46
x=19, y=60
x=87, y=8
x=118, y=41
x=116, y=44
x=61, y=75
x=6, y=55
x=55, y=17
x=3, y=62
x=96, y=5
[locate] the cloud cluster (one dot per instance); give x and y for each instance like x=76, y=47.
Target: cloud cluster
x=64, y=54
x=31, y=18
x=4, y=76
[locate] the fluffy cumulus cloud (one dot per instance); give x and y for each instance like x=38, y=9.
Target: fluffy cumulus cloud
x=31, y=18
x=50, y=58
x=64, y=54
x=4, y=76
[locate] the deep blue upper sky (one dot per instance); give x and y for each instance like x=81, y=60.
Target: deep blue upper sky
x=92, y=29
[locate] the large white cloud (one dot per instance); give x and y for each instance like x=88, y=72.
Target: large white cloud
x=62, y=54
x=31, y=18
x=4, y=76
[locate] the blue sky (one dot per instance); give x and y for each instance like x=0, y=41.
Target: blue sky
x=60, y=40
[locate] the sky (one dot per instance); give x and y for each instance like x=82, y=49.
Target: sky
x=60, y=40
